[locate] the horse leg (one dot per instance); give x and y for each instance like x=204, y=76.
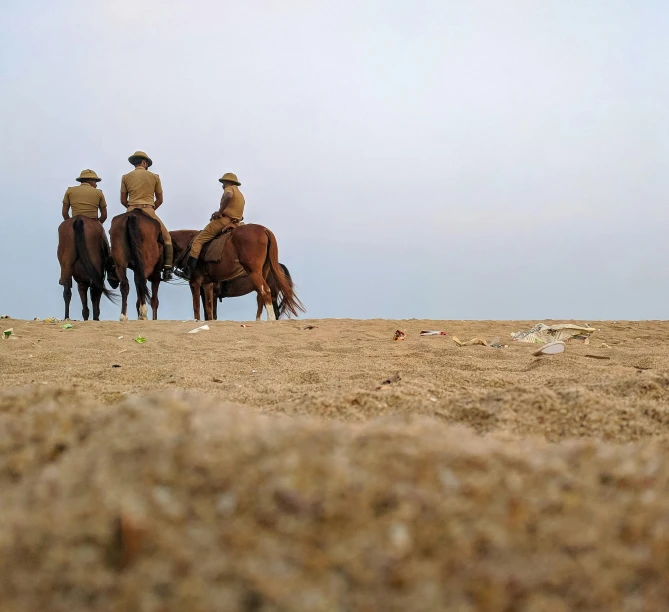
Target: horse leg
x=208, y=301
x=195, y=290
x=261, y=305
x=96, y=295
x=122, y=274
x=67, y=295
x=155, y=283
x=264, y=294
x=275, y=306
x=83, y=294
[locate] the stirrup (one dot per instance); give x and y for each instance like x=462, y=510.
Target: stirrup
x=167, y=274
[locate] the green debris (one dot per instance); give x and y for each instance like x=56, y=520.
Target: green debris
x=67, y=326
x=140, y=340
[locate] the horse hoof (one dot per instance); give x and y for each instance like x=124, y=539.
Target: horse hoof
x=123, y=318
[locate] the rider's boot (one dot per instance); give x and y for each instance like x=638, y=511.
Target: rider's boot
x=188, y=269
x=167, y=262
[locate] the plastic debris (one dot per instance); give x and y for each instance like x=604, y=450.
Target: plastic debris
x=140, y=340
x=604, y=345
x=4, y=316
x=551, y=348
x=120, y=337
x=433, y=333
x=400, y=335
x=472, y=342
x=308, y=327
x=598, y=357
x=199, y=329
x=562, y=332
x=245, y=326
x=67, y=326
x=7, y=333
x=52, y=320
x=116, y=365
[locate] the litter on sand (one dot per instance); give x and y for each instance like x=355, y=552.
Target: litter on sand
x=604, y=345
x=472, y=342
x=308, y=327
x=551, y=348
x=598, y=357
x=400, y=335
x=140, y=340
x=433, y=333
x=52, y=320
x=67, y=326
x=7, y=333
x=199, y=329
x=562, y=332
x=4, y=316
x=390, y=380
x=245, y=326
x=120, y=337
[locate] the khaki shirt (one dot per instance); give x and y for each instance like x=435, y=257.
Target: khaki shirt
x=84, y=200
x=235, y=208
x=140, y=185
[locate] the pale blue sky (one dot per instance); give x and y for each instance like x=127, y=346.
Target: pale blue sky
x=435, y=159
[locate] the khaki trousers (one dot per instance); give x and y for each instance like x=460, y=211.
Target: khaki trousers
x=209, y=232
x=149, y=210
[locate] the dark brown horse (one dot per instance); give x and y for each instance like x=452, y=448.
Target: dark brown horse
x=136, y=243
x=83, y=255
x=256, y=249
x=243, y=286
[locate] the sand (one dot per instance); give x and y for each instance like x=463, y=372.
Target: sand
x=270, y=468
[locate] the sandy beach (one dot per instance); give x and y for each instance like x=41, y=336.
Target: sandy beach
x=275, y=467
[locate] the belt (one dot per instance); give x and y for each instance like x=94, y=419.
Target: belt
x=141, y=205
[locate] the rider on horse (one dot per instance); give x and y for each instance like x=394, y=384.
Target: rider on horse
x=85, y=199
x=137, y=192
x=229, y=215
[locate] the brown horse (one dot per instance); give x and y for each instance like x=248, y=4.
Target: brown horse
x=83, y=255
x=137, y=244
x=256, y=249
x=243, y=286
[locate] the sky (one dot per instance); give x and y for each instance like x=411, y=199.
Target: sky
x=427, y=159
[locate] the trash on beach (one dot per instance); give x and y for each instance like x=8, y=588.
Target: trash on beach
x=217, y=380
x=7, y=333
x=604, y=345
x=307, y=327
x=199, y=329
x=242, y=325
x=551, y=348
x=562, y=332
x=472, y=342
x=140, y=340
x=4, y=316
x=390, y=380
x=116, y=365
x=400, y=335
x=433, y=333
x=495, y=343
x=120, y=337
x=67, y=326
x=36, y=319
x=598, y=357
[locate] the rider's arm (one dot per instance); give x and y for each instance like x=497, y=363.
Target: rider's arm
x=66, y=205
x=159, y=193
x=124, y=193
x=225, y=201
x=102, y=205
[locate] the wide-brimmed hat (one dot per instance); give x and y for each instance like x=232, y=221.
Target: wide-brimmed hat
x=138, y=156
x=87, y=175
x=231, y=177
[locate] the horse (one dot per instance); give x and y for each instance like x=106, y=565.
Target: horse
x=255, y=248
x=243, y=286
x=83, y=253
x=137, y=244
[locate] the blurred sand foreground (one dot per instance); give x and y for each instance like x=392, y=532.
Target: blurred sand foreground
x=269, y=469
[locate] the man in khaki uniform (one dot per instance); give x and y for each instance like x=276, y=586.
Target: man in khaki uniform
x=230, y=214
x=137, y=191
x=85, y=199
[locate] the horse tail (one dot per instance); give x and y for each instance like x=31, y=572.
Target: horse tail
x=135, y=244
x=96, y=276
x=289, y=278
x=289, y=302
